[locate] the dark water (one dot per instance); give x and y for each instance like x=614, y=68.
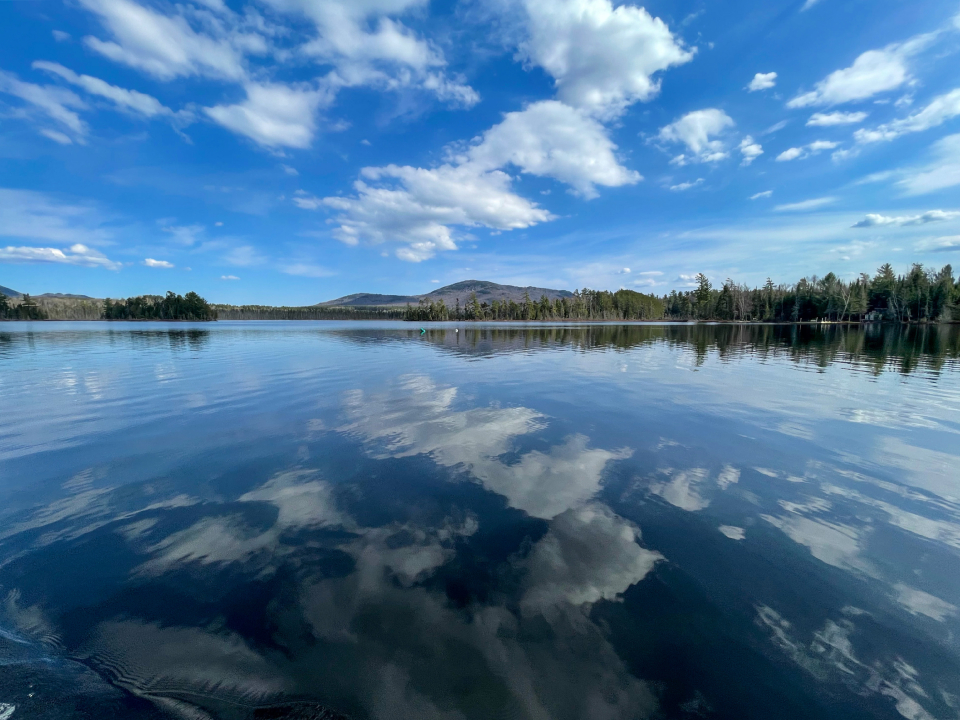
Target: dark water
x=279, y=520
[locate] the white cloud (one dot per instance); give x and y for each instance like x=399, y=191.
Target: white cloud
x=56, y=136
x=874, y=220
x=695, y=130
x=289, y=170
x=53, y=101
x=814, y=148
x=166, y=46
x=805, y=205
x=733, y=532
x=750, y=150
x=942, y=108
x=601, y=57
x=367, y=45
x=418, y=206
x=835, y=118
x=163, y=264
x=550, y=139
x=76, y=254
x=244, y=256
x=60, y=35
x=763, y=194
x=918, y=602
x=762, y=81
x=873, y=72
x=273, y=115
x=790, y=154
x=942, y=173
x=127, y=99
x=686, y=185
x=229, y=277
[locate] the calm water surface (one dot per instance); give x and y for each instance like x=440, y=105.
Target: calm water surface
x=316, y=520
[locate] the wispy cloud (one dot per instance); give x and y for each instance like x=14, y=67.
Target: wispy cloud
x=76, y=254
x=805, y=205
x=875, y=220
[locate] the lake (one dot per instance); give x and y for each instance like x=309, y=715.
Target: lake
x=325, y=520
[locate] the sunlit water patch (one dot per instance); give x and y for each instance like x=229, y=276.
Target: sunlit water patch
x=319, y=520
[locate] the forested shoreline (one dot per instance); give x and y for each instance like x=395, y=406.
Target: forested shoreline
x=919, y=296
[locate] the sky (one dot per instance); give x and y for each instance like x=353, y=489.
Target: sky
x=294, y=151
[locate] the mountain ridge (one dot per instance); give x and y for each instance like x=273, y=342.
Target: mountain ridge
x=486, y=291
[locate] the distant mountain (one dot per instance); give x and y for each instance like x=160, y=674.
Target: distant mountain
x=66, y=296
x=60, y=296
x=486, y=292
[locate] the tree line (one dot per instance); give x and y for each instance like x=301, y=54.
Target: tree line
x=26, y=309
x=921, y=295
x=584, y=304
x=155, y=307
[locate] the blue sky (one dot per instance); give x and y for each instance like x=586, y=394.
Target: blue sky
x=291, y=151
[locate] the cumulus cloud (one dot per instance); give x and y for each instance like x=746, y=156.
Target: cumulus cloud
x=551, y=139
x=150, y=262
x=602, y=58
x=76, y=254
x=273, y=115
x=804, y=205
x=873, y=72
x=421, y=206
x=368, y=45
x=875, y=220
x=814, y=148
x=56, y=103
x=762, y=81
x=835, y=118
x=943, y=172
x=127, y=99
x=695, y=130
x=942, y=108
x=750, y=150
x=686, y=185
